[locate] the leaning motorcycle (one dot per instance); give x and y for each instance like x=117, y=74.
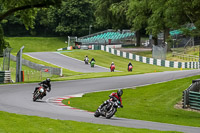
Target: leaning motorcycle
x=109, y=109
x=39, y=94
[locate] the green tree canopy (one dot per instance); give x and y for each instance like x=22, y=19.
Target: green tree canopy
x=25, y=9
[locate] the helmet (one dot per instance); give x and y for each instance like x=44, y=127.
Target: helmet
x=119, y=92
x=48, y=80
x=112, y=62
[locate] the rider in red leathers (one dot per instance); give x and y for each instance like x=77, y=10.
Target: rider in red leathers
x=114, y=96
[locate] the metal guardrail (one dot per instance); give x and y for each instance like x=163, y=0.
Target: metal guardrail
x=39, y=67
x=191, y=96
x=186, y=57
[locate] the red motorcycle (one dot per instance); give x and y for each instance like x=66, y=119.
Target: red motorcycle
x=130, y=68
x=112, y=68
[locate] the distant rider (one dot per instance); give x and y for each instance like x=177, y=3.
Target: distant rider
x=92, y=60
x=46, y=84
x=114, y=96
x=112, y=64
x=129, y=64
x=86, y=59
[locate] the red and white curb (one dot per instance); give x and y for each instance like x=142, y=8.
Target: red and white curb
x=57, y=101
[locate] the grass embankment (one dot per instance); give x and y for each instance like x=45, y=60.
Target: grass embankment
x=36, y=44
x=182, y=57
x=105, y=59
x=152, y=103
x=14, y=123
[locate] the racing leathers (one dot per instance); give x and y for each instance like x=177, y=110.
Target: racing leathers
x=113, y=96
x=46, y=84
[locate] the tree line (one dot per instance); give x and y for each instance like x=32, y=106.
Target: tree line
x=74, y=17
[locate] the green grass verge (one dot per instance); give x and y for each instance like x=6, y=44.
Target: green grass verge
x=152, y=103
x=13, y=123
x=36, y=44
x=105, y=59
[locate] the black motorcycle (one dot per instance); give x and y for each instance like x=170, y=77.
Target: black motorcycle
x=39, y=93
x=109, y=109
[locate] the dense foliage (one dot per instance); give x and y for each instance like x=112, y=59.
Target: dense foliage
x=74, y=17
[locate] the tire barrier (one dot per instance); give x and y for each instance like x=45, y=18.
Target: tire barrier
x=5, y=77
x=191, y=96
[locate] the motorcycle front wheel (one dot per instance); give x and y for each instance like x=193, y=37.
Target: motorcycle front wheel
x=111, y=112
x=35, y=96
x=97, y=113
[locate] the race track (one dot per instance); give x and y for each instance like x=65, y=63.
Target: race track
x=18, y=99
x=66, y=62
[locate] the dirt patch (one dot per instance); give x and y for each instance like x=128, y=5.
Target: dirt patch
x=179, y=106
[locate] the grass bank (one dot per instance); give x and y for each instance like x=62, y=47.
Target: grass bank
x=36, y=44
x=152, y=103
x=105, y=59
x=13, y=123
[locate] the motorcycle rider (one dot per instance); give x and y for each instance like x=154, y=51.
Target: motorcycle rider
x=86, y=59
x=112, y=65
x=46, y=84
x=129, y=64
x=92, y=60
x=113, y=96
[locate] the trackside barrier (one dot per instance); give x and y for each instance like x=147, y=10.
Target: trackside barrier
x=191, y=96
x=5, y=77
x=158, y=62
x=39, y=67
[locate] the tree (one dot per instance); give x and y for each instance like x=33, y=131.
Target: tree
x=73, y=18
x=25, y=9
x=137, y=16
x=111, y=13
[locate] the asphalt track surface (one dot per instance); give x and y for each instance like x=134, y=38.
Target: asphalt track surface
x=66, y=62
x=18, y=99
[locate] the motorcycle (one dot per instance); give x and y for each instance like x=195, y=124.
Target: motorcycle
x=86, y=60
x=112, y=68
x=109, y=109
x=92, y=63
x=130, y=68
x=40, y=93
